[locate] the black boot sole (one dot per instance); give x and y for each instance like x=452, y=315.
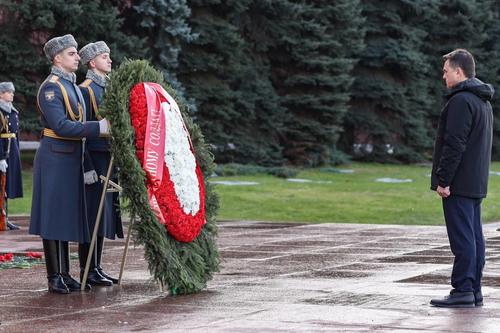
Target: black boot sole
x=106, y=275
x=100, y=283
x=58, y=291
x=471, y=305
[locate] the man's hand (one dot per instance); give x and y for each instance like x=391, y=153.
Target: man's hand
x=3, y=166
x=444, y=192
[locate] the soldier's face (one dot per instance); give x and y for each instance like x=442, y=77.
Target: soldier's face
x=7, y=96
x=68, y=59
x=102, y=63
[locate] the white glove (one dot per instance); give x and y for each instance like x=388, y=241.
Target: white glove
x=90, y=177
x=104, y=126
x=3, y=166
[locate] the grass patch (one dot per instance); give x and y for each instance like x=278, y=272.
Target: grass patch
x=333, y=197
x=23, y=205
x=342, y=197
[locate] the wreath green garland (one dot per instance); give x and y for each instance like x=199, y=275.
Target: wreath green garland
x=184, y=267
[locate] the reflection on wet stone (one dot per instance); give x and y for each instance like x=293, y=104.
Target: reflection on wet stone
x=273, y=277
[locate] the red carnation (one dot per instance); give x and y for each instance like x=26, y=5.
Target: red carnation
x=35, y=255
x=6, y=257
x=183, y=227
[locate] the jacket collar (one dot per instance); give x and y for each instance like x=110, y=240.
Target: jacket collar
x=71, y=77
x=98, y=79
x=7, y=107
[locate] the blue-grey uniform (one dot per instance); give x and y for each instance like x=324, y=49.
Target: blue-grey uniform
x=98, y=158
x=58, y=205
x=10, y=130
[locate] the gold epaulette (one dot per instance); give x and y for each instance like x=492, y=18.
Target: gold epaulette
x=69, y=110
x=7, y=135
x=51, y=134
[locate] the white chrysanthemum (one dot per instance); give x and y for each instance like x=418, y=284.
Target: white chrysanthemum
x=180, y=160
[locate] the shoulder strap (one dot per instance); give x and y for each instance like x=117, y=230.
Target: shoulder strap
x=86, y=83
x=93, y=101
x=3, y=122
x=69, y=110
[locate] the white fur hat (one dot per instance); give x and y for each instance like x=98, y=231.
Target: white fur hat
x=92, y=50
x=58, y=44
x=6, y=86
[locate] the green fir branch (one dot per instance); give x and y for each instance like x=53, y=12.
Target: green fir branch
x=184, y=267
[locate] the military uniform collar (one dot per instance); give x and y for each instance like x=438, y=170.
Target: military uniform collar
x=98, y=79
x=71, y=77
x=6, y=106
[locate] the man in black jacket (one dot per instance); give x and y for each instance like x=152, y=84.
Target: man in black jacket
x=460, y=170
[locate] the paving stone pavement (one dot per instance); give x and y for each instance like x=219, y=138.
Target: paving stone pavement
x=274, y=278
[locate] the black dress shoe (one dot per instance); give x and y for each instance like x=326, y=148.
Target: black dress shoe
x=478, y=298
x=56, y=285
x=455, y=300
x=104, y=274
x=12, y=226
x=72, y=284
x=96, y=279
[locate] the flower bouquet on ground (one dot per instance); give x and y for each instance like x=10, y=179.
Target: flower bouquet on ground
x=163, y=162
x=28, y=260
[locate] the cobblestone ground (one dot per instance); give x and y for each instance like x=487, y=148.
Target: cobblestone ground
x=274, y=278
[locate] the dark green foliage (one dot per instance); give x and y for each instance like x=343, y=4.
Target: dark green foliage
x=315, y=44
x=274, y=82
x=26, y=26
x=164, y=23
x=237, y=107
x=184, y=267
x=388, y=116
x=490, y=69
x=473, y=25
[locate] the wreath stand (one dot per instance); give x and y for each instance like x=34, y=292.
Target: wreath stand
x=108, y=186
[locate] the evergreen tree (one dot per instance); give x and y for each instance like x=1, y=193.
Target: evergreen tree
x=490, y=69
x=27, y=25
x=314, y=43
x=165, y=25
x=388, y=116
x=472, y=25
x=238, y=110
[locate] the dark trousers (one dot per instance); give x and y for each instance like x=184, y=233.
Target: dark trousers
x=465, y=233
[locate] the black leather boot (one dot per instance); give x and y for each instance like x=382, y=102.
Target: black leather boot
x=72, y=284
x=9, y=224
x=94, y=277
x=54, y=279
x=478, y=298
x=100, y=245
x=12, y=226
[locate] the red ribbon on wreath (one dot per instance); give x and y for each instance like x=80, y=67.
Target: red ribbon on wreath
x=149, y=103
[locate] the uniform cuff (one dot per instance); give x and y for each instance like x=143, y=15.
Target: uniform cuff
x=91, y=129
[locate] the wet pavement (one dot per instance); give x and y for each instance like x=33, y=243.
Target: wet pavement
x=274, y=278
